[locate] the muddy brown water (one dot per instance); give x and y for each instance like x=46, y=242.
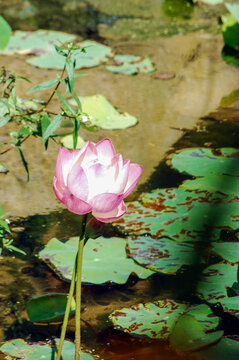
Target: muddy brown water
x=164, y=108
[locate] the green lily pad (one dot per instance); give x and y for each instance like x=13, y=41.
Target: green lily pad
x=214, y=285
x=203, y=161
x=99, y=264
x=224, y=349
x=225, y=184
x=95, y=54
x=188, y=335
x=36, y=42
x=67, y=142
x=131, y=65
x=49, y=307
x=20, y=349
x=156, y=319
x=229, y=251
x=175, y=212
x=162, y=255
x=5, y=33
x=103, y=114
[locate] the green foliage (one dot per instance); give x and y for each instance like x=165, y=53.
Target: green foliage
x=5, y=33
x=156, y=319
x=48, y=308
x=99, y=266
x=5, y=234
x=34, y=351
x=225, y=349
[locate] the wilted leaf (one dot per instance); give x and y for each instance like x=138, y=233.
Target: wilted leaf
x=131, y=65
x=156, y=319
x=35, y=351
x=99, y=264
x=104, y=115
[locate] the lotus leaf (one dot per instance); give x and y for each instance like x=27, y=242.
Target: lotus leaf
x=175, y=213
x=163, y=255
x=99, y=263
x=188, y=335
x=224, y=349
x=223, y=183
x=95, y=53
x=38, y=351
x=214, y=285
x=203, y=161
x=156, y=320
x=229, y=251
x=131, y=65
x=234, y=10
x=48, y=307
x=104, y=115
x=36, y=42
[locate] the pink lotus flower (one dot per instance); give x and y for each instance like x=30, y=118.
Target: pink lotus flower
x=95, y=179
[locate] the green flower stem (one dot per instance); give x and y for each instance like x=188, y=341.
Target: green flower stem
x=82, y=241
x=67, y=312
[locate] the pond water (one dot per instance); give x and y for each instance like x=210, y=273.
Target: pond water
x=170, y=116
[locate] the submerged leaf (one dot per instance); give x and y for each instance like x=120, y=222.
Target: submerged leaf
x=131, y=65
x=99, y=265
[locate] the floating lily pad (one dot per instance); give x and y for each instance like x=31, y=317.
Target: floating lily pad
x=226, y=184
x=156, y=320
x=175, y=213
x=224, y=349
x=67, y=142
x=214, y=284
x=229, y=251
x=49, y=307
x=20, y=349
x=99, y=263
x=131, y=65
x=163, y=255
x=188, y=335
x=36, y=42
x=95, y=54
x=203, y=161
x=103, y=114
